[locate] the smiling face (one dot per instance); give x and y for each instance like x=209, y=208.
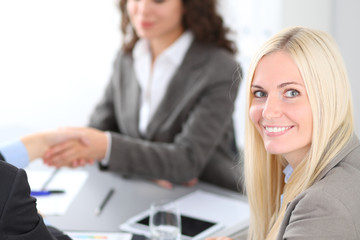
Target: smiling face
x=280, y=108
x=156, y=19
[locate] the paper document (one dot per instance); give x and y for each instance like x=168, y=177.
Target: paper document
x=99, y=235
x=68, y=180
x=214, y=207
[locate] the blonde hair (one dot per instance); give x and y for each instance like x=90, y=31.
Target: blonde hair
x=322, y=69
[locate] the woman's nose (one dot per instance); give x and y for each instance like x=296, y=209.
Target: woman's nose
x=272, y=108
x=144, y=6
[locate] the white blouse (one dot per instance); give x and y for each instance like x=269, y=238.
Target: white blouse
x=154, y=80
x=287, y=171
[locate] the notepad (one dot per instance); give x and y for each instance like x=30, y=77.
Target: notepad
x=69, y=180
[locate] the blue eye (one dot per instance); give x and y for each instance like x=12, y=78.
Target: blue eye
x=292, y=93
x=259, y=94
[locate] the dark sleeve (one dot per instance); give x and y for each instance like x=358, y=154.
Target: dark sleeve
x=19, y=216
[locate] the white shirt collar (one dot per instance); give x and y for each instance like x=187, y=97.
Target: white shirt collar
x=141, y=49
x=175, y=52
x=288, y=170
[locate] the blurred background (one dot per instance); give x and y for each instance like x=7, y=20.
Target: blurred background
x=56, y=56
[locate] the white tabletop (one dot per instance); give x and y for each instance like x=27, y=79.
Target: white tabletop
x=131, y=196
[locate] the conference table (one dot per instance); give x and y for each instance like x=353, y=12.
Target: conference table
x=131, y=196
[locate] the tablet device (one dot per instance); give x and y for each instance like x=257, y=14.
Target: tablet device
x=191, y=227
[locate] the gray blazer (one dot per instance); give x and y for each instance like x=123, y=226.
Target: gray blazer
x=191, y=134
x=330, y=208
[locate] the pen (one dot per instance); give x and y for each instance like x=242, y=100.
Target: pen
x=106, y=199
x=46, y=193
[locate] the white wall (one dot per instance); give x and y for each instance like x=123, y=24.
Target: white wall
x=55, y=59
x=315, y=14
x=347, y=34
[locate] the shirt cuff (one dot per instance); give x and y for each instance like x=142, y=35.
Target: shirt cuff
x=15, y=153
x=105, y=161
x=47, y=222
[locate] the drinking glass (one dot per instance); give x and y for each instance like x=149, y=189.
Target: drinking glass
x=165, y=220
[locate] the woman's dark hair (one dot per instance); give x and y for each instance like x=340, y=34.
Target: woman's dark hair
x=200, y=17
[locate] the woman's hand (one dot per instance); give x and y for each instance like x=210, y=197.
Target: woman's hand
x=168, y=185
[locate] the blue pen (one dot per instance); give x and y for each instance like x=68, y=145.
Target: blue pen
x=46, y=193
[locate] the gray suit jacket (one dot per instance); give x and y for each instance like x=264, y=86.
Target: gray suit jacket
x=330, y=208
x=191, y=134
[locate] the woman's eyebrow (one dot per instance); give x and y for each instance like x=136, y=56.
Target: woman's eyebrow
x=256, y=86
x=282, y=85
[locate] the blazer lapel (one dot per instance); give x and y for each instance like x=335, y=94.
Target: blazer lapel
x=184, y=77
x=130, y=102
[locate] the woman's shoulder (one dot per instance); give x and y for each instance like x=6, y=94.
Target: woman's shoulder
x=212, y=50
x=335, y=197
x=215, y=59
x=123, y=61
x=343, y=171
x=339, y=180
x=318, y=213
x=122, y=55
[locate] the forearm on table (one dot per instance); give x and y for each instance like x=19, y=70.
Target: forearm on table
x=177, y=163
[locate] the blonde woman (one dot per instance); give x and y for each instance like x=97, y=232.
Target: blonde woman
x=302, y=159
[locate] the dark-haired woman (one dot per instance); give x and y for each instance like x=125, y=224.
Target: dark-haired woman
x=167, y=111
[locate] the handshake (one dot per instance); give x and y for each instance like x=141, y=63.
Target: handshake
x=70, y=147
x=74, y=147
